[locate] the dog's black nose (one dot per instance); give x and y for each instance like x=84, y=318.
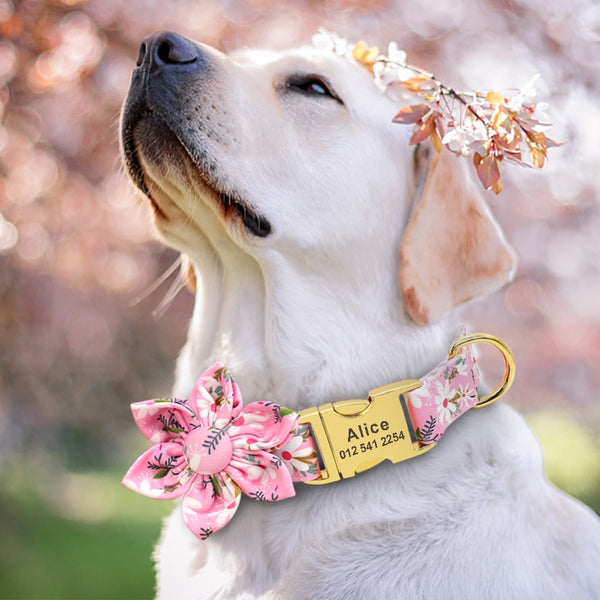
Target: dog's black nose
x=167, y=48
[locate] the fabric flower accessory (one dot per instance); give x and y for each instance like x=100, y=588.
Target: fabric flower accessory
x=210, y=448
x=485, y=125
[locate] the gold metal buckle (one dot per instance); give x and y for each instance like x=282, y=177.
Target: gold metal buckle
x=509, y=362
x=355, y=435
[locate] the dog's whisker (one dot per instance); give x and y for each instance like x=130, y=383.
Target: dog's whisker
x=170, y=296
x=154, y=286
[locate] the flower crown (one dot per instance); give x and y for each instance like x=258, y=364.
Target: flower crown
x=486, y=125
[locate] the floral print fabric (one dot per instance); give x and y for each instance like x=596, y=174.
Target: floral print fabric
x=447, y=392
x=210, y=448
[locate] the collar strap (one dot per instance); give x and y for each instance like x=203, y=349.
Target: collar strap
x=210, y=448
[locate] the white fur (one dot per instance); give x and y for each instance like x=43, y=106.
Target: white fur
x=313, y=313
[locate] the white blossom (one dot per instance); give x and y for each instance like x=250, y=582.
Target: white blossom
x=466, y=138
x=331, y=42
x=526, y=96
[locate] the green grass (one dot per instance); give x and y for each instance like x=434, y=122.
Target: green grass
x=45, y=554
x=571, y=454
x=82, y=535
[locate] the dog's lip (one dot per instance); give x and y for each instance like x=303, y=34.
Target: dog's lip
x=254, y=222
x=132, y=162
x=130, y=153
x=257, y=224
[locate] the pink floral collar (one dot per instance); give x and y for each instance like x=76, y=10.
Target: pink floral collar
x=210, y=448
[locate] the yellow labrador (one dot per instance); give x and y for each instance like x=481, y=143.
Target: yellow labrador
x=330, y=256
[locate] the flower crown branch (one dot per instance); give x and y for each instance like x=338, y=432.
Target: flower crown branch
x=485, y=125
x=444, y=90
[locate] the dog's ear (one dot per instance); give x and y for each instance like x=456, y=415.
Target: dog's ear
x=452, y=249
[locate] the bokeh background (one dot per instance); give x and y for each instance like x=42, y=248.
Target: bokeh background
x=77, y=248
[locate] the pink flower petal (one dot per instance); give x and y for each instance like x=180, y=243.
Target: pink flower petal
x=216, y=397
x=163, y=420
x=262, y=426
x=205, y=511
x=261, y=475
x=161, y=472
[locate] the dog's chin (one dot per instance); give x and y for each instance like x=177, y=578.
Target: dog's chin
x=159, y=163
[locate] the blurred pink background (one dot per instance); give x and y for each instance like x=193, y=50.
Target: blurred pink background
x=76, y=243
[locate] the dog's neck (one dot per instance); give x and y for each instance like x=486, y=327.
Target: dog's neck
x=282, y=343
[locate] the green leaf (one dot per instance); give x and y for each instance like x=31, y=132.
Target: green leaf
x=160, y=474
x=215, y=483
x=283, y=411
x=172, y=429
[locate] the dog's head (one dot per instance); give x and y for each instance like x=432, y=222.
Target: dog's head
x=293, y=157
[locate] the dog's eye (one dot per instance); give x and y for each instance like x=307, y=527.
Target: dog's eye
x=312, y=85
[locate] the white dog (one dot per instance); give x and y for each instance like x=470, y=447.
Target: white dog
x=283, y=179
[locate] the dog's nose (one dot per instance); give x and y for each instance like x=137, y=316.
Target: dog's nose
x=167, y=48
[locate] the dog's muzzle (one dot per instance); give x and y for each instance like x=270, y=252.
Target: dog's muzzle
x=172, y=76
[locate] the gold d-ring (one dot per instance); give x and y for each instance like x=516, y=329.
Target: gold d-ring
x=509, y=361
